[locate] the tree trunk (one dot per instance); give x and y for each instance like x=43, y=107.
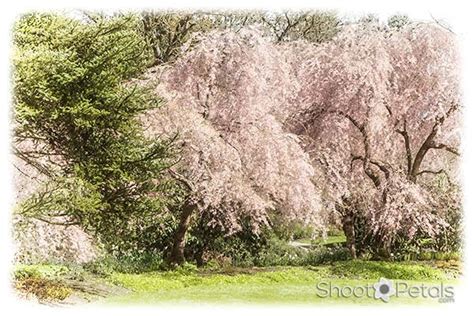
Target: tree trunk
x=177, y=252
x=348, y=228
x=385, y=250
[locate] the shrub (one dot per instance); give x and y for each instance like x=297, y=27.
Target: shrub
x=39, y=271
x=323, y=255
x=131, y=263
x=279, y=253
x=207, y=243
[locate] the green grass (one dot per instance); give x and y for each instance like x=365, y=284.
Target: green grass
x=271, y=285
x=284, y=285
x=324, y=241
x=331, y=240
x=39, y=270
x=358, y=269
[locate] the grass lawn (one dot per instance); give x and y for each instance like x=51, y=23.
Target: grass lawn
x=278, y=285
x=323, y=241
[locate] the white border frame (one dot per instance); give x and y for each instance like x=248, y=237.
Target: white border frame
x=457, y=14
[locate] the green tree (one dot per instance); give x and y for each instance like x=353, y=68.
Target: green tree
x=77, y=110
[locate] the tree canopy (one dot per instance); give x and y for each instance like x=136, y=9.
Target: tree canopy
x=76, y=121
x=144, y=125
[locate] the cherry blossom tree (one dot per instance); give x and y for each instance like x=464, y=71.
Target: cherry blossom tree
x=308, y=120
x=357, y=124
x=226, y=103
x=379, y=110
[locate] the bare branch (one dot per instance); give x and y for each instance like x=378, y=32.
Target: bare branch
x=446, y=147
x=179, y=177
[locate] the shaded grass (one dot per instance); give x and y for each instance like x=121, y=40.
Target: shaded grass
x=358, y=269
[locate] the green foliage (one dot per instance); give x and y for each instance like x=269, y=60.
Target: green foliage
x=330, y=240
x=292, y=230
x=72, y=195
x=75, y=103
x=208, y=243
x=177, y=279
x=270, y=247
x=39, y=271
x=280, y=253
x=188, y=282
x=323, y=255
x=373, y=270
x=427, y=248
x=68, y=75
x=127, y=263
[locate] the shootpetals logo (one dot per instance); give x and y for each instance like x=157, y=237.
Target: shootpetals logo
x=385, y=289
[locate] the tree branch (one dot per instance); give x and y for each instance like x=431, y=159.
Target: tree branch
x=406, y=139
x=446, y=147
x=441, y=171
x=429, y=141
x=179, y=177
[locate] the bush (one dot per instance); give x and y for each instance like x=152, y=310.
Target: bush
x=280, y=253
x=207, y=243
x=323, y=255
x=39, y=271
x=210, y=247
x=132, y=263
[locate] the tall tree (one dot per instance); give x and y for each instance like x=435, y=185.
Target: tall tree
x=75, y=113
x=313, y=26
x=373, y=104
x=224, y=98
